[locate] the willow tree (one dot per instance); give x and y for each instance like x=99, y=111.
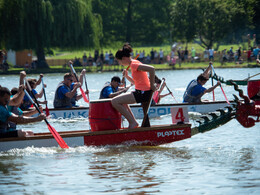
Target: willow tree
x=75, y=26
x=40, y=24
x=27, y=25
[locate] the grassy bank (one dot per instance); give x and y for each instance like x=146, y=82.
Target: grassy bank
x=62, y=69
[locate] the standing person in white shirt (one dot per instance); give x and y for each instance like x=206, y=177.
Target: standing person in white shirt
x=211, y=54
x=106, y=58
x=161, y=56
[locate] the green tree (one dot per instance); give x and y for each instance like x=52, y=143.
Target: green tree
x=209, y=20
x=140, y=22
x=40, y=24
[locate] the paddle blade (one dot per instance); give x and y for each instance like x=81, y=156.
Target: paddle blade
x=84, y=95
x=224, y=95
x=47, y=111
x=57, y=137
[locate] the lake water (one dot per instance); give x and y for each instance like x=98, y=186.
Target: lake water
x=225, y=160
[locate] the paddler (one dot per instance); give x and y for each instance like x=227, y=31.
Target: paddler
x=195, y=89
x=64, y=93
x=5, y=116
x=159, y=88
x=33, y=84
x=77, y=97
x=112, y=89
x=144, y=85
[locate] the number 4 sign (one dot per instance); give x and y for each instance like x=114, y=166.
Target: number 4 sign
x=179, y=114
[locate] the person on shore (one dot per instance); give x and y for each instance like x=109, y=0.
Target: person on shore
x=5, y=116
x=144, y=85
x=195, y=89
x=159, y=88
x=112, y=89
x=64, y=94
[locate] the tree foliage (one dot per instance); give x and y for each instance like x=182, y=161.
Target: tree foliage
x=210, y=20
x=39, y=24
x=143, y=22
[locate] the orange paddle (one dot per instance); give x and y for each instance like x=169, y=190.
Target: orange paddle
x=82, y=91
x=54, y=133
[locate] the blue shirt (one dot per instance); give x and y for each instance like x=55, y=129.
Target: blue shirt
x=26, y=99
x=256, y=51
x=62, y=91
x=198, y=89
x=107, y=91
x=4, y=115
x=10, y=109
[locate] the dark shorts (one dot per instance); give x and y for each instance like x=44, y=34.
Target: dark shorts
x=142, y=96
x=9, y=134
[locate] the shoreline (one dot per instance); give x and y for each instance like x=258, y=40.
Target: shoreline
x=52, y=69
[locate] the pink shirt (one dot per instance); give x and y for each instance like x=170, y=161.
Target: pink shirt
x=140, y=78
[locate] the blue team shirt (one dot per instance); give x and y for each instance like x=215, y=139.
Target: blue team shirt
x=26, y=99
x=10, y=109
x=107, y=91
x=4, y=115
x=198, y=89
x=62, y=91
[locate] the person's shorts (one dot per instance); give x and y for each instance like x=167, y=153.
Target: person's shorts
x=142, y=96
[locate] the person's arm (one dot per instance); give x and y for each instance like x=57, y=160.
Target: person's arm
x=121, y=90
x=74, y=90
x=164, y=95
x=39, y=95
x=206, y=73
x=17, y=99
x=212, y=88
x=80, y=95
x=22, y=76
x=23, y=119
x=130, y=79
x=151, y=70
x=39, y=80
x=83, y=72
x=31, y=112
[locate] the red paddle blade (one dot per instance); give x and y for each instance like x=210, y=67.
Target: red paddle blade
x=84, y=95
x=57, y=137
x=213, y=96
x=174, y=98
x=224, y=95
x=47, y=111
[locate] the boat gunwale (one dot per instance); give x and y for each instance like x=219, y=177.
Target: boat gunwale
x=67, y=134
x=157, y=105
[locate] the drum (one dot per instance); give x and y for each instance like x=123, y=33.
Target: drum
x=103, y=116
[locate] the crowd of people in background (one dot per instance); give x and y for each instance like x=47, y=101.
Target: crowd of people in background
x=178, y=55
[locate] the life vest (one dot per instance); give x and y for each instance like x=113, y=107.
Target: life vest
x=187, y=97
x=64, y=102
x=73, y=99
x=107, y=84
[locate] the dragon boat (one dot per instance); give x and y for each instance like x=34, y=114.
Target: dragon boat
x=105, y=123
x=155, y=111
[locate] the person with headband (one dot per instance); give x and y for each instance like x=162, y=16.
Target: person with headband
x=144, y=85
